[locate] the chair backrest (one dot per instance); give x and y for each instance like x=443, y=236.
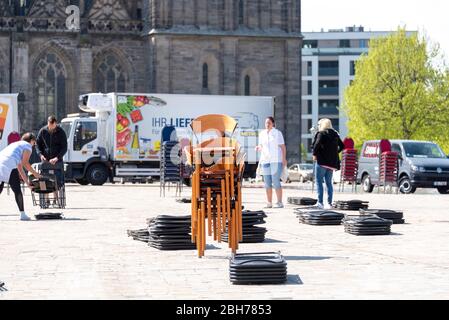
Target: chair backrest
x=13, y=137
x=218, y=142
x=349, y=143
x=169, y=134
x=221, y=124
x=385, y=146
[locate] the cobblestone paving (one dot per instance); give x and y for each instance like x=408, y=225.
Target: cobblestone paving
x=89, y=255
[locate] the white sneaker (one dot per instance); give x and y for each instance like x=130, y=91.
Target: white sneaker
x=24, y=217
x=279, y=205
x=328, y=207
x=319, y=206
x=268, y=206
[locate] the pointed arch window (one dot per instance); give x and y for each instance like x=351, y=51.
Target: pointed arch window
x=247, y=85
x=205, y=76
x=110, y=75
x=2, y=81
x=241, y=12
x=285, y=15
x=50, y=88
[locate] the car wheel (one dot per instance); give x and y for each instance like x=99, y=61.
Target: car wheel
x=443, y=190
x=405, y=186
x=366, y=184
x=83, y=181
x=97, y=174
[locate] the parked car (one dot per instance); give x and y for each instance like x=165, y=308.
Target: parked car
x=300, y=172
x=422, y=164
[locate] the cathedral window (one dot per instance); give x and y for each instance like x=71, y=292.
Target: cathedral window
x=50, y=88
x=241, y=12
x=110, y=76
x=2, y=81
x=205, y=76
x=247, y=86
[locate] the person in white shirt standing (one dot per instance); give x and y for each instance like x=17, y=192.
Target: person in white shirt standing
x=12, y=161
x=272, y=161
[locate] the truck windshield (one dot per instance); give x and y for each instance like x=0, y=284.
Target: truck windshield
x=423, y=150
x=67, y=127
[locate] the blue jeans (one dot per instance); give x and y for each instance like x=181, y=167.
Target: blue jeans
x=272, y=175
x=326, y=174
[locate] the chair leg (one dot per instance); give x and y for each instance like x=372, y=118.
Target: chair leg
x=209, y=212
x=219, y=218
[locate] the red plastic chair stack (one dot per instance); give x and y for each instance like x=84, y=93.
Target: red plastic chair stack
x=388, y=166
x=349, y=165
x=13, y=137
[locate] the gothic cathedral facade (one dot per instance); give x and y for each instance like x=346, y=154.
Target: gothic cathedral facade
x=220, y=47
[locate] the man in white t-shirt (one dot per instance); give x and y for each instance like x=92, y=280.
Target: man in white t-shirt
x=272, y=161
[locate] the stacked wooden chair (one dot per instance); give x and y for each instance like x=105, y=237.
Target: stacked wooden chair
x=218, y=163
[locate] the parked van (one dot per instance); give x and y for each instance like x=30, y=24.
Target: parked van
x=422, y=164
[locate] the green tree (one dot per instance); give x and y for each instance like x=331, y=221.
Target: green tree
x=303, y=153
x=398, y=92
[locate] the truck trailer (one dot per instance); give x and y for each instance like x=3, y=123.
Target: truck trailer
x=118, y=135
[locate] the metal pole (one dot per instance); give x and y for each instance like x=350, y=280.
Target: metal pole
x=10, y=61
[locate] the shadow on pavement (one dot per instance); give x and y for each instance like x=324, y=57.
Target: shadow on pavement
x=274, y=241
x=104, y=208
x=305, y=258
x=294, y=279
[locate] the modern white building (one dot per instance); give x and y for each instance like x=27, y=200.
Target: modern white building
x=328, y=67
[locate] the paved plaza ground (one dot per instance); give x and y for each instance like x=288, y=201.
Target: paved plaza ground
x=90, y=256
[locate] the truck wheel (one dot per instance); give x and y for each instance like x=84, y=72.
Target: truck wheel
x=366, y=184
x=405, y=186
x=97, y=174
x=83, y=181
x=443, y=190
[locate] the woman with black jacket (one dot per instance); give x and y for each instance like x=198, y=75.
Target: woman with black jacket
x=326, y=149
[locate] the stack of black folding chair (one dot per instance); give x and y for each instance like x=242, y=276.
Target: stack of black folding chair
x=258, y=268
x=320, y=217
x=302, y=201
x=396, y=217
x=353, y=205
x=170, y=233
x=251, y=233
x=367, y=225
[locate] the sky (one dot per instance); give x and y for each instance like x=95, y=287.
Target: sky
x=430, y=17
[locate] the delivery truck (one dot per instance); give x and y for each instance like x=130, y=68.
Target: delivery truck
x=9, y=120
x=118, y=135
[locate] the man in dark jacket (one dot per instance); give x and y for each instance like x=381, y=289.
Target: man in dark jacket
x=51, y=146
x=326, y=149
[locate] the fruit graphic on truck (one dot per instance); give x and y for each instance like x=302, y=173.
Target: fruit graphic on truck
x=3, y=113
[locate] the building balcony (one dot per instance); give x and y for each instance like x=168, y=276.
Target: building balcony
x=333, y=51
x=328, y=72
x=333, y=91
